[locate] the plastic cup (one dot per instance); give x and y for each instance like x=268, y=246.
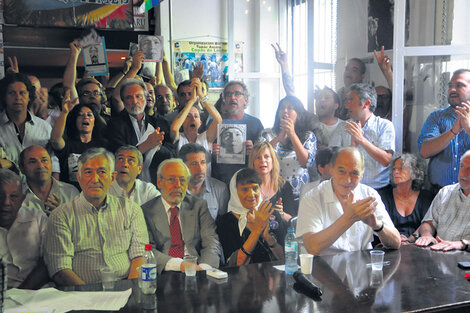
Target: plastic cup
x=306, y=263
x=190, y=263
x=377, y=259
x=108, y=277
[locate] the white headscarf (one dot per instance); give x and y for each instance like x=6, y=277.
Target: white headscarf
x=235, y=206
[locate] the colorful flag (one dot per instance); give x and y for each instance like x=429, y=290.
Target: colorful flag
x=147, y=5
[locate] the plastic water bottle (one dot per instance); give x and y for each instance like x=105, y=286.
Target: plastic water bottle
x=149, y=272
x=291, y=252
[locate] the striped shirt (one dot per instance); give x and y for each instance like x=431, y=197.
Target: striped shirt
x=81, y=238
x=444, y=167
x=381, y=133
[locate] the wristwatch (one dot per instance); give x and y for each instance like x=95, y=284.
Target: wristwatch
x=416, y=236
x=465, y=242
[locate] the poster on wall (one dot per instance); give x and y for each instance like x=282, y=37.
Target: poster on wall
x=212, y=55
x=104, y=14
x=141, y=20
x=95, y=59
x=380, y=25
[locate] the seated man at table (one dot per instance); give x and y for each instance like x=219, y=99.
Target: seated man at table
x=95, y=229
x=448, y=217
x=22, y=232
x=196, y=236
x=341, y=214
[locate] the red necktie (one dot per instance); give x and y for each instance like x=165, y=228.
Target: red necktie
x=177, y=247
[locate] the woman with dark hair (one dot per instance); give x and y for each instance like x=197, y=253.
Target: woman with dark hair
x=273, y=186
x=405, y=200
x=82, y=131
x=250, y=232
x=294, y=143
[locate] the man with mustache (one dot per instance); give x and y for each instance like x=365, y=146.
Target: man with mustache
x=445, y=134
x=44, y=192
x=233, y=112
x=210, y=189
x=180, y=224
x=446, y=224
x=342, y=214
x=354, y=73
x=129, y=163
x=95, y=229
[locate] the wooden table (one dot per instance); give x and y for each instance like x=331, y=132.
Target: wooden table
x=416, y=280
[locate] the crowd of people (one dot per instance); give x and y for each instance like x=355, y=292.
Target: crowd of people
x=108, y=165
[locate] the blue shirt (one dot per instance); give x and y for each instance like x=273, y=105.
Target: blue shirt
x=381, y=133
x=443, y=167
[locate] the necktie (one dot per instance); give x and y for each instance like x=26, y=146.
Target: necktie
x=177, y=247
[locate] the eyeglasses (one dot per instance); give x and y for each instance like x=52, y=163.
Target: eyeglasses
x=236, y=94
x=174, y=180
x=87, y=93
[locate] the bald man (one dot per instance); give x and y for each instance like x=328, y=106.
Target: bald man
x=341, y=214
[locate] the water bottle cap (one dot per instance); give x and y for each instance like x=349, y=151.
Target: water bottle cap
x=148, y=247
x=290, y=230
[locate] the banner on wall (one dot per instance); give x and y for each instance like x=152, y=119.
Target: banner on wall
x=104, y=14
x=212, y=55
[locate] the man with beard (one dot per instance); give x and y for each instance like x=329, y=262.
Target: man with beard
x=44, y=192
x=129, y=163
x=132, y=127
x=210, y=189
x=233, y=112
x=180, y=224
x=445, y=134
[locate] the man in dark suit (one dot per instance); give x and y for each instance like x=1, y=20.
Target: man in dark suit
x=180, y=224
x=133, y=127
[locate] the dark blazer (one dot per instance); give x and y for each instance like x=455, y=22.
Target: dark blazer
x=120, y=131
x=198, y=228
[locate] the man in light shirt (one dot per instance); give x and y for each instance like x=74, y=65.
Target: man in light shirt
x=95, y=229
x=341, y=214
x=180, y=224
x=129, y=163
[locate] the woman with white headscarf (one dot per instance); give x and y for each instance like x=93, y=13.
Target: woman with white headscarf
x=250, y=232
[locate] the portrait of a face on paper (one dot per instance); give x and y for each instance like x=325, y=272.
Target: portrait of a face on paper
x=152, y=46
x=231, y=138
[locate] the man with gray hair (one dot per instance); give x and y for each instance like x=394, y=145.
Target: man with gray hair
x=446, y=225
x=132, y=127
x=95, y=229
x=235, y=97
x=178, y=223
x=372, y=135
x=22, y=233
x=129, y=163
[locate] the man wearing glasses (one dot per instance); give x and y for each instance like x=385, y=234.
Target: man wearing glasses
x=233, y=112
x=180, y=224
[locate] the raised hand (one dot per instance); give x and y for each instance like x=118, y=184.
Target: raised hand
x=359, y=210
x=52, y=202
x=261, y=221
x=383, y=61
x=281, y=56
x=355, y=130
x=198, y=70
x=463, y=114
x=67, y=104
x=75, y=47
x=13, y=62
x=137, y=60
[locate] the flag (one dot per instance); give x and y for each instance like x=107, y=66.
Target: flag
x=147, y=5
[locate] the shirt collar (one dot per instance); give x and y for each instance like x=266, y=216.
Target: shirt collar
x=168, y=206
x=87, y=205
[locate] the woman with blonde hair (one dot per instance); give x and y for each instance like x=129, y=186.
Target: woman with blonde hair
x=274, y=188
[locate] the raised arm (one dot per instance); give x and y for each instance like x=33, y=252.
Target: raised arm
x=179, y=120
x=287, y=80
x=57, y=134
x=385, y=66
x=216, y=117
x=70, y=73
x=169, y=80
x=119, y=76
